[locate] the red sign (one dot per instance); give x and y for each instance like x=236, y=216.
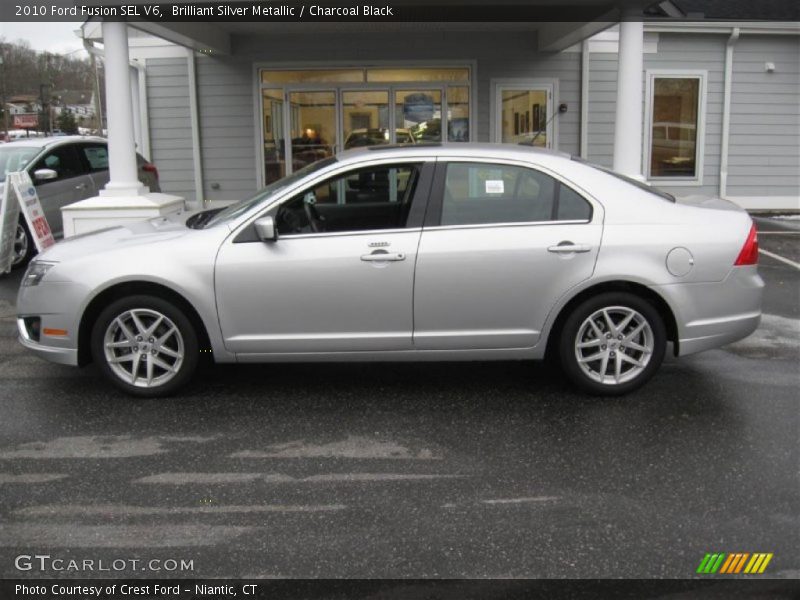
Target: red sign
x=26, y=121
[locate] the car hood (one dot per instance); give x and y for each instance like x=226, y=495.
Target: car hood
x=123, y=237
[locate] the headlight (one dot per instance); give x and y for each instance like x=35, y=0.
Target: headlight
x=35, y=273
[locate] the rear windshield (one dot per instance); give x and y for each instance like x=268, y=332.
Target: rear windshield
x=635, y=182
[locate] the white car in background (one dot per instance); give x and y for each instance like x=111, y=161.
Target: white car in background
x=64, y=169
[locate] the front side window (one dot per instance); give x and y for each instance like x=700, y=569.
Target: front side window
x=365, y=199
x=484, y=193
x=263, y=196
x=64, y=161
x=674, y=124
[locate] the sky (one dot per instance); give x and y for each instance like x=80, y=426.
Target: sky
x=52, y=37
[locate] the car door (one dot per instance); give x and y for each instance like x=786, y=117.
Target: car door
x=71, y=184
x=502, y=242
x=95, y=157
x=340, y=276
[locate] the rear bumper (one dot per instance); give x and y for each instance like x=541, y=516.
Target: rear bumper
x=710, y=315
x=713, y=333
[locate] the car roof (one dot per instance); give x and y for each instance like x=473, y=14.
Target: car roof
x=470, y=149
x=42, y=142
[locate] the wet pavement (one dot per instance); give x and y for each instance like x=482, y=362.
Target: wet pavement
x=410, y=470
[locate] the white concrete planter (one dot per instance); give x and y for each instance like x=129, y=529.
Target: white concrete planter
x=100, y=212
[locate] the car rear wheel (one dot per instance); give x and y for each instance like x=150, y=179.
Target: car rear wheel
x=24, y=247
x=612, y=344
x=145, y=346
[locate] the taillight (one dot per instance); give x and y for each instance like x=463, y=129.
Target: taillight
x=150, y=168
x=749, y=253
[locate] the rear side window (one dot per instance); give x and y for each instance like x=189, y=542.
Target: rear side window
x=486, y=193
x=96, y=156
x=572, y=206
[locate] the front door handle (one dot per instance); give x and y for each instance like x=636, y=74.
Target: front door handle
x=80, y=186
x=569, y=247
x=383, y=256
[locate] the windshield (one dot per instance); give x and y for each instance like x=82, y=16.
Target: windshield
x=238, y=209
x=15, y=158
x=639, y=184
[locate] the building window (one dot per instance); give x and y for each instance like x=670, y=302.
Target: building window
x=675, y=126
x=312, y=113
x=523, y=112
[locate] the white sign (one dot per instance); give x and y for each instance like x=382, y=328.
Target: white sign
x=495, y=186
x=32, y=209
x=9, y=215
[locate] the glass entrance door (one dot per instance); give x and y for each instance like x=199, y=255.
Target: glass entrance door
x=310, y=114
x=418, y=115
x=365, y=118
x=523, y=114
x=313, y=126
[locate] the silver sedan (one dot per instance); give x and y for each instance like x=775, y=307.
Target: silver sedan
x=424, y=252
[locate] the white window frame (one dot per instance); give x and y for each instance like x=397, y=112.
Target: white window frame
x=523, y=83
x=700, y=143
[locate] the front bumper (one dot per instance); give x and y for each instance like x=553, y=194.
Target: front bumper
x=61, y=356
x=58, y=305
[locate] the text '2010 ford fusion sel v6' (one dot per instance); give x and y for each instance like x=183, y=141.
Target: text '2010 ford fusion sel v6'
x=475, y=252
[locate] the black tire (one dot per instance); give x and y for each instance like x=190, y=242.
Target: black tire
x=636, y=376
x=147, y=309
x=24, y=253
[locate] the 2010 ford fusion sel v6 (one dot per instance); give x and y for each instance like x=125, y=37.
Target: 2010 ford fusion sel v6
x=467, y=252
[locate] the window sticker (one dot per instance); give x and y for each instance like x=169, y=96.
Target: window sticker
x=495, y=186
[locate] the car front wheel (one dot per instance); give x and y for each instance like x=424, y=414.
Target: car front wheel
x=145, y=345
x=24, y=247
x=612, y=344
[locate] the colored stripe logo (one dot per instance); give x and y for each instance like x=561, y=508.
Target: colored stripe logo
x=734, y=563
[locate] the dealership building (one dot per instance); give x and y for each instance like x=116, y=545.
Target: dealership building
x=695, y=106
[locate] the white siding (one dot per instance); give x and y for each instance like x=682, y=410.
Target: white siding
x=227, y=135
x=602, y=107
x=764, y=155
x=170, y=124
x=675, y=51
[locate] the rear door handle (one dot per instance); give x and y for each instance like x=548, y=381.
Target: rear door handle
x=569, y=247
x=382, y=256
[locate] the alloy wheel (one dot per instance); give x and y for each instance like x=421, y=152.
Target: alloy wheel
x=144, y=348
x=614, y=345
x=20, y=245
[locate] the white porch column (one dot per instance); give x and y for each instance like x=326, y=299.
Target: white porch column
x=121, y=138
x=124, y=199
x=628, y=124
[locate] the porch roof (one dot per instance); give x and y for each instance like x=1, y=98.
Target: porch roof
x=215, y=37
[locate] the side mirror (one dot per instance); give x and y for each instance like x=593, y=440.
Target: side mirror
x=44, y=175
x=266, y=230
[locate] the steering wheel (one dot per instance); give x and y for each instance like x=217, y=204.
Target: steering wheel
x=314, y=218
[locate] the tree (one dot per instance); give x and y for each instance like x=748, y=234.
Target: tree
x=66, y=122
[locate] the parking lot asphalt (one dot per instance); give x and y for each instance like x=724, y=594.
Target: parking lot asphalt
x=410, y=470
